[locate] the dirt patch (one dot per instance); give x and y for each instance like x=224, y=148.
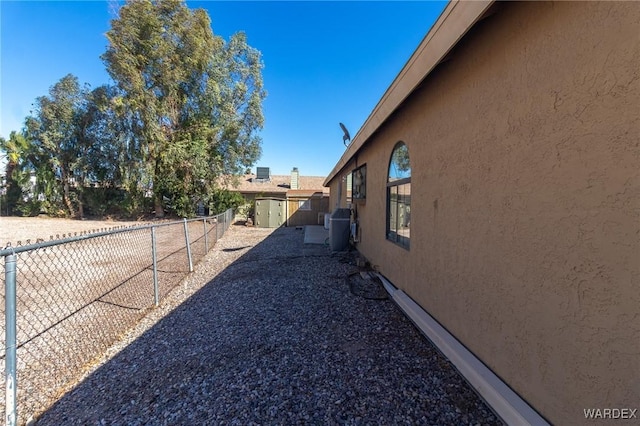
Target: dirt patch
x=20, y=229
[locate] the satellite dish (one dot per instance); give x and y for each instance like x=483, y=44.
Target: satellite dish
x=346, y=136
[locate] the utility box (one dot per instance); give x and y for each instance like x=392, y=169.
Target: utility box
x=339, y=226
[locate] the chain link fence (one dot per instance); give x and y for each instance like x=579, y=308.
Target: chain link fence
x=66, y=301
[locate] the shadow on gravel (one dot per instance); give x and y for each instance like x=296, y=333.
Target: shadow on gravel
x=278, y=337
x=235, y=248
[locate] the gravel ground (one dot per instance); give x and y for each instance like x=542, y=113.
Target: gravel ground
x=269, y=330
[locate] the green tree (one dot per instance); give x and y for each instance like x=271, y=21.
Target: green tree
x=194, y=101
x=16, y=151
x=59, y=150
x=223, y=199
x=115, y=155
x=103, y=133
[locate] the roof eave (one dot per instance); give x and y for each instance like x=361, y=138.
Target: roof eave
x=454, y=22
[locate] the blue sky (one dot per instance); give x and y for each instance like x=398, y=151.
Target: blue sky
x=325, y=62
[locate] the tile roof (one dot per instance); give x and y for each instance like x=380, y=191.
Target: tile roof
x=277, y=184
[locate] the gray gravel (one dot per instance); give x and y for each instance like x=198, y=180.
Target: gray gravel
x=269, y=330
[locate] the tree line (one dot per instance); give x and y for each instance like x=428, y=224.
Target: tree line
x=183, y=109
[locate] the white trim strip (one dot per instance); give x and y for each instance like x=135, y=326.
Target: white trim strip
x=505, y=402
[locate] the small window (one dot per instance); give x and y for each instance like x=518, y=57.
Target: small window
x=399, y=196
x=359, y=187
x=304, y=204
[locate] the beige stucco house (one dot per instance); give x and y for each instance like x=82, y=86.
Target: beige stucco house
x=502, y=202
x=289, y=200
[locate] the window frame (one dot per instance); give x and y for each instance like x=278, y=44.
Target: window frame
x=391, y=232
x=359, y=191
x=305, y=205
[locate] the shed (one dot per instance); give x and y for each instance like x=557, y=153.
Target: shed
x=270, y=212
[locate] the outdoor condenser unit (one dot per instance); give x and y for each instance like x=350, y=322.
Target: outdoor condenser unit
x=339, y=229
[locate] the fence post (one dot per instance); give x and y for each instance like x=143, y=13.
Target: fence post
x=10, y=340
x=186, y=236
x=206, y=236
x=154, y=256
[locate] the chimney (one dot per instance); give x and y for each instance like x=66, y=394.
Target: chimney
x=294, y=179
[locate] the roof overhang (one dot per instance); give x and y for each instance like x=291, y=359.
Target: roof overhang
x=305, y=193
x=454, y=22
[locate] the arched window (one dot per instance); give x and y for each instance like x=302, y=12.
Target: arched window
x=399, y=196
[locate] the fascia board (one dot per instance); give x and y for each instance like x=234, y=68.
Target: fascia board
x=454, y=22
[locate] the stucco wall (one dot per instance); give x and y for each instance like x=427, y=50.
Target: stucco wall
x=525, y=233
x=338, y=187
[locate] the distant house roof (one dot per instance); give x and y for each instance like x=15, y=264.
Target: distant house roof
x=249, y=184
